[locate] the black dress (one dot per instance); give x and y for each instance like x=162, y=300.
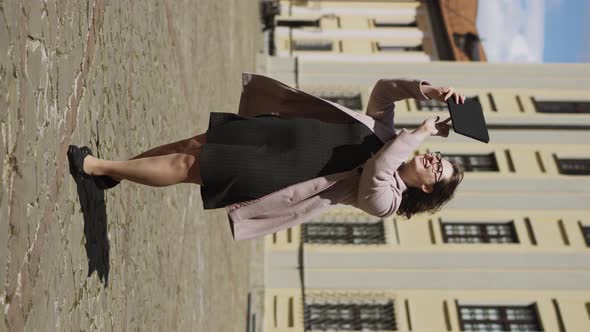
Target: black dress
x=247, y=158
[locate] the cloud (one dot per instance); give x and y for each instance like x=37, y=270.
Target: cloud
x=513, y=31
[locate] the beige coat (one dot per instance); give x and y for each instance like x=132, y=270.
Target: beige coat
x=375, y=187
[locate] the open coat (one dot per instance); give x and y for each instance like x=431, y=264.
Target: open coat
x=375, y=187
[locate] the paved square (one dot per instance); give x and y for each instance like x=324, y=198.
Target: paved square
x=128, y=76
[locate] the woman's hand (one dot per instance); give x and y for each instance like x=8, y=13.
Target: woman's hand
x=443, y=127
x=442, y=93
x=434, y=127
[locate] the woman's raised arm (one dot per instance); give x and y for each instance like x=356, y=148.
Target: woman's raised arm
x=387, y=91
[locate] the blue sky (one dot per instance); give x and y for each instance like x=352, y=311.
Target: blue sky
x=535, y=31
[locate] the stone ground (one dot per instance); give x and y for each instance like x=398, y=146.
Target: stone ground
x=121, y=77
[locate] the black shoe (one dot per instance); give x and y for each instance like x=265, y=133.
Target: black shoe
x=76, y=158
x=103, y=182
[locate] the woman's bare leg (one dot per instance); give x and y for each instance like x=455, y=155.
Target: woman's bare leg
x=176, y=147
x=161, y=166
x=190, y=146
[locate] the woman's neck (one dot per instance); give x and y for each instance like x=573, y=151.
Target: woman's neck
x=409, y=177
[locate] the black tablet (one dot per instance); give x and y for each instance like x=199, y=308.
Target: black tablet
x=468, y=119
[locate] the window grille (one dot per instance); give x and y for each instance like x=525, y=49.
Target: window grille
x=436, y=105
x=499, y=318
x=475, y=162
x=389, y=23
x=349, y=100
x=562, y=107
x=384, y=47
x=454, y=232
x=570, y=166
x=298, y=23
x=313, y=45
x=344, y=233
x=350, y=317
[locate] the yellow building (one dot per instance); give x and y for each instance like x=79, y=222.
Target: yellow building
x=511, y=249
x=377, y=31
x=510, y=252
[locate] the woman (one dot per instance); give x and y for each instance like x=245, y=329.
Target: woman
x=288, y=156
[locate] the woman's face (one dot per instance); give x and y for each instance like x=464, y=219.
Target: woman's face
x=431, y=168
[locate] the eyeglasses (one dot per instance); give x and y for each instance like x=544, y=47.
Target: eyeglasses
x=434, y=159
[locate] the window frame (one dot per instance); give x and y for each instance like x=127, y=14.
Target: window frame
x=295, y=46
x=303, y=22
x=567, y=106
x=483, y=235
x=468, y=165
x=397, y=48
x=355, y=99
x=355, y=308
x=562, y=165
x=504, y=320
x=381, y=23
x=435, y=105
x=349, y=236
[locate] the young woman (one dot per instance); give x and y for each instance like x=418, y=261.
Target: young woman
x=288, y=156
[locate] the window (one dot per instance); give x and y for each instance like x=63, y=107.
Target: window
x=436, y=105
x=586, y=233
x=499, y=318
x=344, y=233
x=313, y=45
x=562, y=107
x=571, y=166
x=350, y=316
x=431, y=105
x=455, y=232
x=298, y=23
x=475, y=162
x=468, y=43
x=349, y=100
x=384, y=47
x=392, y=23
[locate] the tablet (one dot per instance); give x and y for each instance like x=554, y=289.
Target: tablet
x=468, y=119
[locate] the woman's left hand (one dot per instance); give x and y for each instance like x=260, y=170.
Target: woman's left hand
x=443, y=93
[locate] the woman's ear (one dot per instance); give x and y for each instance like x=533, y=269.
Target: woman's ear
x=426, y=188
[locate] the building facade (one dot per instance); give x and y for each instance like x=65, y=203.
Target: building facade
x=510, y=252
x=513, y=246
x=377, y=31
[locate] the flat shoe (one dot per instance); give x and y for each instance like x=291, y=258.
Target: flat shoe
x=76, y=158
x=102, y=182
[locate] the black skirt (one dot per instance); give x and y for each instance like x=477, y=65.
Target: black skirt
x=247, y=158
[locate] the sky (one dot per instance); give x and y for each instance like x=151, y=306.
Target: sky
x=535, y=31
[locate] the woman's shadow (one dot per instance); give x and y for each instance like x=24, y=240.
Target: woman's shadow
x=95, y=227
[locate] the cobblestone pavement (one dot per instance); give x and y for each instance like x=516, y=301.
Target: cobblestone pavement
x=121, y=77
